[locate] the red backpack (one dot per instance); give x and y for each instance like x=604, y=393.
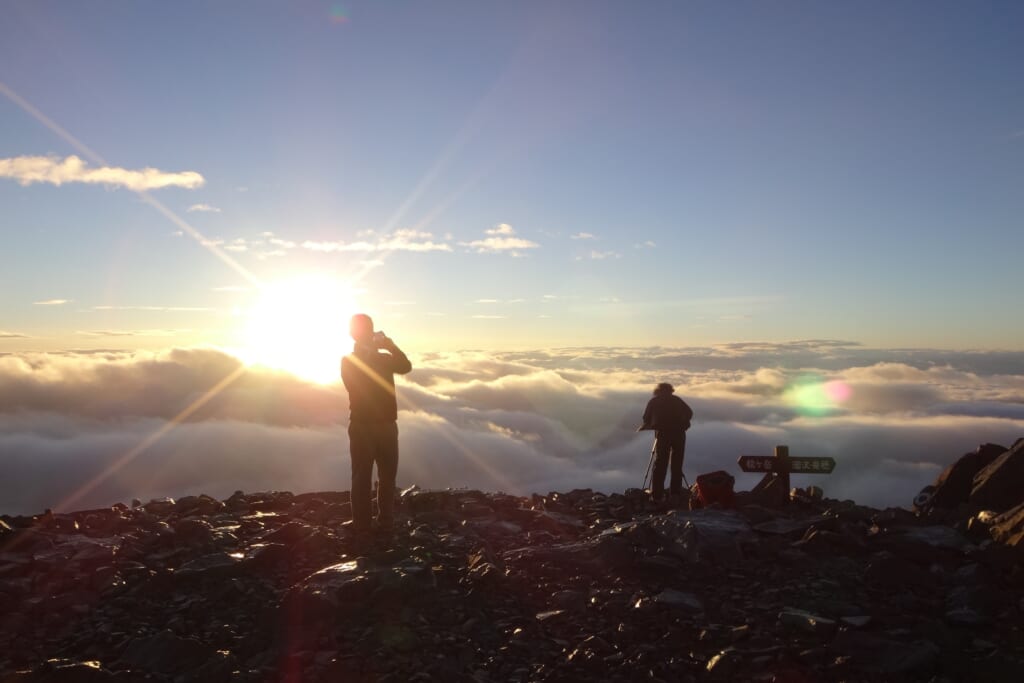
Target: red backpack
x=714, y=487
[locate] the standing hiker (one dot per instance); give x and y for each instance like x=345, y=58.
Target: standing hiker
x=669, y=417
x=369, y=376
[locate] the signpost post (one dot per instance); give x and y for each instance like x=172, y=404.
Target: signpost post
x=782, y=465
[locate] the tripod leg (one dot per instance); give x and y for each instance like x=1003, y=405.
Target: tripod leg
x=649, y=464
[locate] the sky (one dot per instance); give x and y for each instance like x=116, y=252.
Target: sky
x=666, y=184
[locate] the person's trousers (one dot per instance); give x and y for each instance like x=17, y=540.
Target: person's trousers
x=668, y=447
x=369, y=443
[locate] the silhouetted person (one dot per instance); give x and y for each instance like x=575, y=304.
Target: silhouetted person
x=669, y=417
x=369, y=376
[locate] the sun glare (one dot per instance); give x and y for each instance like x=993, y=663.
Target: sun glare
x=300, y=325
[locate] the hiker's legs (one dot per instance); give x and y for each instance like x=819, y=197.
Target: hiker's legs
x=678, y=452
x=662, y=450
x=387, y=471
x=361, y=448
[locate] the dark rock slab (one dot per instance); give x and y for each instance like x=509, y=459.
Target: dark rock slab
x=1000, y=485
x=1008, y=528
x=883, y=655
x=953, y=485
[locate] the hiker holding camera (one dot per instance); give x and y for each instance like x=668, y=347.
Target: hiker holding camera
x=669, y=416
x=369, y=376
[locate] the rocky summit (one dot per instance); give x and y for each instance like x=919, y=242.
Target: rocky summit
x=475, y=586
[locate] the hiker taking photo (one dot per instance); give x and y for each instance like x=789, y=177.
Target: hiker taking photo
x=669, y=416
x=369, y=376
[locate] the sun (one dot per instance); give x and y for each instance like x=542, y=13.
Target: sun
x=300, y=325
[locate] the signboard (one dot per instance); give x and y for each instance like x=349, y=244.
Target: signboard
x=791, y=465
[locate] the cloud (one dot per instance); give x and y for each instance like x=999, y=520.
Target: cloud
x=204, y=208
x=26, y=170
x=602, y=255
x=582, y=236
x=176, y=309
x=13, y=335
x=400, y=240
x=51, y=302
x=500, y=238
x=130, y=333
x=519, y=421
x=502, y=229
x=107, y=333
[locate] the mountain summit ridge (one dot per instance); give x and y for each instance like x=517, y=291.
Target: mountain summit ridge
x=476, y=586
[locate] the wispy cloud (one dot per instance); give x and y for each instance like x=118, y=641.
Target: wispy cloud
x=500, y=238
x=487, y=301
x=582, y=236
x=51, y=302
x=490, y=317
x=595, y=255
x=106, y=333
x=649, y=244
x=12, y=335
x=399, y=240
x=188, y=309
x=129, y=333
x=203, y=208
x=26, y=170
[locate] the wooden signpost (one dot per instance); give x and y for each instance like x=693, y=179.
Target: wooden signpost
x=781, y=465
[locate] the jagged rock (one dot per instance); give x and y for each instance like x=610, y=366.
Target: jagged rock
x=936, y=537
x=161, y=507
x=214, y=565
x=677, y=599
x=167, y=653
x=875, y=654
x=66, y=671
x=1008, y=528
x=1000, y=485
x=197, y=532
x=972, y=605
x=198, y=505
x=806, y=622
x=953, y=485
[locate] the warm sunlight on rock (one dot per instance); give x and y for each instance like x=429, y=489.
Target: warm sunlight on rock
x=300, y=325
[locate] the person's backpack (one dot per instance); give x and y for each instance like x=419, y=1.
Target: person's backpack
x=713, y=487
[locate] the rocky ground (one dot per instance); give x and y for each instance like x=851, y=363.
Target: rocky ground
x=489, y=587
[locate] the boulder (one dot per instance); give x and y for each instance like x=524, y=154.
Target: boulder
x=1008, y=528
x=167, y=653
x=953, y=485
x=1000, y=485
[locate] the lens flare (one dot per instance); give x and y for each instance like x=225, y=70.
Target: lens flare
x=338, y=15
x=814, y=397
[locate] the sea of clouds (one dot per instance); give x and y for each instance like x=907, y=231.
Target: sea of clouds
x=87, y=429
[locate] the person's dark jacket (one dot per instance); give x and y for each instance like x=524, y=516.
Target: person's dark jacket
x=369, y=377
x=667, y=413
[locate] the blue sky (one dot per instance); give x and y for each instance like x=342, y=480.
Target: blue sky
x=656, y=173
